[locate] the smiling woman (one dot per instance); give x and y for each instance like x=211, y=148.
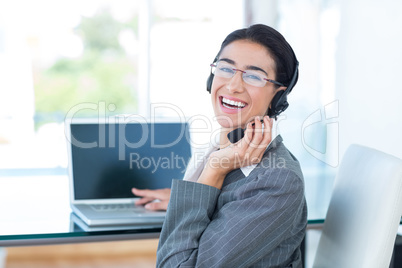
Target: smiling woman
x=235, y=207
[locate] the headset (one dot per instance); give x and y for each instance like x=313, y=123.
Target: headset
x=211, y=77
x=279, y=102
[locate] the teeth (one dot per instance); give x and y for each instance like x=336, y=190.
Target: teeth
x=234, y=103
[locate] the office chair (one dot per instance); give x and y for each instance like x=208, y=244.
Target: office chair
x=364, y=212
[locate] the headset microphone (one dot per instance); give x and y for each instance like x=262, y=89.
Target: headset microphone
x=237, y=134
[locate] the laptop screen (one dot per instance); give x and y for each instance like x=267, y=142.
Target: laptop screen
x=109, y=159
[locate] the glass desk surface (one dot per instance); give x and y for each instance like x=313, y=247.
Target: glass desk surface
x=35, y=210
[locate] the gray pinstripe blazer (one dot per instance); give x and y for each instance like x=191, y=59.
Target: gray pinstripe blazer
x=257, y=220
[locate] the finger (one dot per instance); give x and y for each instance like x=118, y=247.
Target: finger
x=266, y=132
x=160, y=194
x=137, y=192
x=261, y=139
x=248, y=135
x=258, y=133
x=157, y=205
x=143, y=201
x=154, y=194
x=268, y=123
x=267, y=137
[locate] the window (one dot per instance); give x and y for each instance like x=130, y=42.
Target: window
x=184, y=39
x=100, y=57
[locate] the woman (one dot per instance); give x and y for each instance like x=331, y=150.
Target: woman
x=244, y=205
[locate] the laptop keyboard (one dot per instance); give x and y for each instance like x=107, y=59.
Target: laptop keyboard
x=116, y=207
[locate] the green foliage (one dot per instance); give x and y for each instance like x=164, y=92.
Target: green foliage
x=100, y=32
x=104, y=73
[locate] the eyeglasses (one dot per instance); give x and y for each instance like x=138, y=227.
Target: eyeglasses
x=251, y=77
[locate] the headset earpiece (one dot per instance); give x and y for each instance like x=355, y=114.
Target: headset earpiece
x=209, y=82
x=280, y=103
x=211, y=77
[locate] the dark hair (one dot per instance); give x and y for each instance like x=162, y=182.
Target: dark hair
x=279, y=49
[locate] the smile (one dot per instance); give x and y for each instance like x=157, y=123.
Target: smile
x=231, y=104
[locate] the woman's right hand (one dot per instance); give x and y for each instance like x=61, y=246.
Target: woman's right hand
x=248, y=151
x=153, y=199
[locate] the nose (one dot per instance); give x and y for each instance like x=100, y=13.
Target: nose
x=235, y=84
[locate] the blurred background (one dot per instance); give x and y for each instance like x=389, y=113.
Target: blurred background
x=101, y=58
x=95, y=58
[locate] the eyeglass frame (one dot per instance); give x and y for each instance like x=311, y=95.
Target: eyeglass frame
x=214, y=65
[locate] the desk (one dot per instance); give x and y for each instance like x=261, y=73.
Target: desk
x=35, y=210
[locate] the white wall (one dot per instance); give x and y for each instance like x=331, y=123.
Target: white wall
x=368, y=72
x=355, y=63
x=348, y=91
x=16, y=82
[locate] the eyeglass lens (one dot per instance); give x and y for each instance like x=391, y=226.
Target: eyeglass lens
x=250, y=77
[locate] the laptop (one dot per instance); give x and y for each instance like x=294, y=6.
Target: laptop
x=106, y=160
x=78, y=225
